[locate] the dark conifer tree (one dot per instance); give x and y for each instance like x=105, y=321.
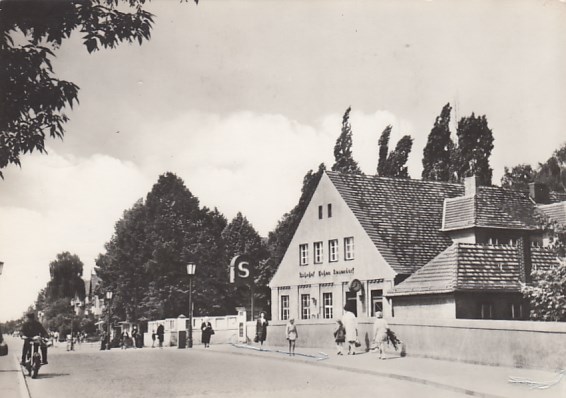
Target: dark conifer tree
x=475, y=143
x=344, y=161
x=437, y=152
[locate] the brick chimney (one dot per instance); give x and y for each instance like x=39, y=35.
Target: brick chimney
x=539, y=192
x=525, y=259
x=471, y=185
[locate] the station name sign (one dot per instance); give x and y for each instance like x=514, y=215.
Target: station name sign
x=323, y=273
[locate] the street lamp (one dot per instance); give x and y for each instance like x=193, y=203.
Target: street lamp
x=108, y=298
x=74, y=302
x=191, y=269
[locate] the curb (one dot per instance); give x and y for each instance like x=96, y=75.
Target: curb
x=390, y=375
x=24, y=390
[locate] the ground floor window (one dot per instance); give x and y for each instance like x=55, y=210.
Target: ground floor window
x=376, y=301
x=486, y=311
x=327, y=305
x=517, y=311
x=284, y=307
x=305, y=306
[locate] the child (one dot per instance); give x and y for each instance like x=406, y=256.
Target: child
x=340, y=336
x=291, y=331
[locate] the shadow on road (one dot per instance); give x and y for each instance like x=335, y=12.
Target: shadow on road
x=49, y=375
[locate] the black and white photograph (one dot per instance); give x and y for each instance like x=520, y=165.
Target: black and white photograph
x=282, y=198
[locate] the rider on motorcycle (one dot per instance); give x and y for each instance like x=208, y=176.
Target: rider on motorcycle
x=31, y=328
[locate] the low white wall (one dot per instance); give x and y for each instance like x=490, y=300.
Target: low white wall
x=526, y=344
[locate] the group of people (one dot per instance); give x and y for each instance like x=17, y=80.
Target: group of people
x=346, y=332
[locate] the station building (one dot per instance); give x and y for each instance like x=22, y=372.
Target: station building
x=413, y=248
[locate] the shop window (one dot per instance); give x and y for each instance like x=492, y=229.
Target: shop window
x=376, y=301
x=333, y=250
x=304, y=254
x=349, y=248
x=329, y=210
x=320, y=212
x=305, y=306
x=318, y=252
x=327, y=305
x=284, y=307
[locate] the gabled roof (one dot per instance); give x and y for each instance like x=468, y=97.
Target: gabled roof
x=472, y=267
x=491, y=207
x=402, y=217
x=555, y=211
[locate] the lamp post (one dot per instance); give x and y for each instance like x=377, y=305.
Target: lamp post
x=191, y=269
x=73, y=303
x=108, y=298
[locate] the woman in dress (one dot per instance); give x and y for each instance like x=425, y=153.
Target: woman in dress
x=207, y=331
x=261, y=329
x=351, y=325
x=380, y=332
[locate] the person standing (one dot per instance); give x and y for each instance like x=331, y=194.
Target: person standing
x=160, y=335
x=340, y=337
x=351, y=325
x=291, y=332
x=207, y=331
x=261, y=329
x=153, y=338
x=380, y=327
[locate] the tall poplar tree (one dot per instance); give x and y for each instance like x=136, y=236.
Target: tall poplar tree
x=344, y=161
x=394, y=163
x=475, y=143
x=438, y=149
x=383, y=144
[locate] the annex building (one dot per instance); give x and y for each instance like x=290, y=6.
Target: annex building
x=414, y=248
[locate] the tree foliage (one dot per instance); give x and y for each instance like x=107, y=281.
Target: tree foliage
x=438, y=152
x=33, y=99
x=475, y=143
x=393, y=164
x=547, y=294
x=66, y=282
x=344, y=161
x=551, y=173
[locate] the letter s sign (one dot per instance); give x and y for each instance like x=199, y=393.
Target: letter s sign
x=241, y=270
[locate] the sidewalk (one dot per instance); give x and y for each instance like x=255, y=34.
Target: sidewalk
x=463, y=378
x=12, y=384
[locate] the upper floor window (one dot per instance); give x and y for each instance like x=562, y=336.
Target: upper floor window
x=320, y=212
x=329, y=210
x=304, y=254
x=333, y=250
x=318, y=252
x=349, y=248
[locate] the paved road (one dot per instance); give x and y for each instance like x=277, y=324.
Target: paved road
x=198, y=373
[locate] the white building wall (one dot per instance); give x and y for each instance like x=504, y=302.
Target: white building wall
x=368, y=264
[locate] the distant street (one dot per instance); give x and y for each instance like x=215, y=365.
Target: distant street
x=218, y=371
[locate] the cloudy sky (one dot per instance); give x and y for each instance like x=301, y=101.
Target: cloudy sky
x=241, y=98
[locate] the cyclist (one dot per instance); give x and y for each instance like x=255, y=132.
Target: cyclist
x=30, y=329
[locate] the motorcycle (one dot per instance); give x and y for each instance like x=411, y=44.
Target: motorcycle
x=32, y=361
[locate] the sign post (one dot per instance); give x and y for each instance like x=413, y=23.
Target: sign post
x=242, y=274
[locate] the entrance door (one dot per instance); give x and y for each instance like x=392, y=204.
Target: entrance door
x=351, y=298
